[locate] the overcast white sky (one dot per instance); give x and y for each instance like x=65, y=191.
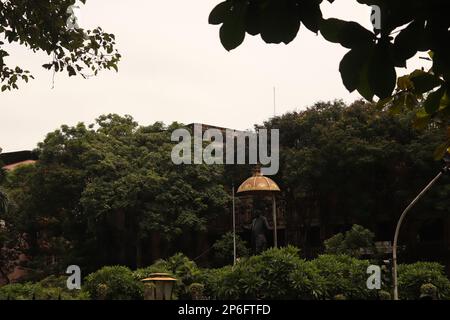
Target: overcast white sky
x=175, y=69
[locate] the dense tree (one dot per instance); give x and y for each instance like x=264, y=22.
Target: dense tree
x=48, y=26
x=3, y=202
x=10, y=240
x=345, y=165
x=400, y=30
x=109, y=193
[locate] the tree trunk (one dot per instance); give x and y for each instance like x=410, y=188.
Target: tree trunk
x=4, y=276
x=155, y=246
x=139, y=263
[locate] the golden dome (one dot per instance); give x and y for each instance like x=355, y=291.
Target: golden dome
x=258, y=183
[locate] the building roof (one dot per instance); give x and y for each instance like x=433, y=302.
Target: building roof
x=14, y=166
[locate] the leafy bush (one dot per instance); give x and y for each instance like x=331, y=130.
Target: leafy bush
x=412, y=276
x=342, y=275
x=212, y=279
x=17, y=291
x=384, y=295
x=179, y=266
x=55, y=287
x=274, y=267
x=428, y=291
x=307, y=282
x=351, y=243
x=51, y=288
x=267, y=276
x=274, y=274
x=224, y=247
x=113, y=283
x=282, y=274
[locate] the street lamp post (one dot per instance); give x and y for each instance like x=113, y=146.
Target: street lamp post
x=159, y=286
x=234, y=229
x=402, y=217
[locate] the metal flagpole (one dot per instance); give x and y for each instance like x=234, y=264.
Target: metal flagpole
x=274, y=212
x=234, y=229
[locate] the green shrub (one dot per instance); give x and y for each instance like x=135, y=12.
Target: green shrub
x=224, y=247
x=428, y=291
x=274, y=267
x=180, y=267
x=113, y=283
x=17, y=291
x=352, y=242
x=267, y=276
x=384, y=295
x=412, y=276
x=282, y=274
x=341, y=274
x=307, y=282
x=213, y=279
x=50, y=288
x=55, y=287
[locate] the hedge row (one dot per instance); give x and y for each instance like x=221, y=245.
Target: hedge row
x=275, y=274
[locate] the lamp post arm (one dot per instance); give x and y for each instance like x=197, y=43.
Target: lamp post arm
x=234, y=229
x=397, y=230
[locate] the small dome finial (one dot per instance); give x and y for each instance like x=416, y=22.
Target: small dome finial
x=257, y=170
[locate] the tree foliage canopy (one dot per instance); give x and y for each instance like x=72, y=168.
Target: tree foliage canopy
x=108, y=193
x=42, y=26
x=404, y=29
x=101, y=194
x=349, y=164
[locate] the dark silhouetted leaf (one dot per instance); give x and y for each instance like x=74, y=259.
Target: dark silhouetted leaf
x=232, y=32
x=220, y=12
x=348, y=34
x=404, y=45
x=310, y=14
x=71, y=71
x=424, y=81
x=279, y=21
x=433, y=101
x=382, y=74
x=364, y=87
x=253, y=19
x=351, y=67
